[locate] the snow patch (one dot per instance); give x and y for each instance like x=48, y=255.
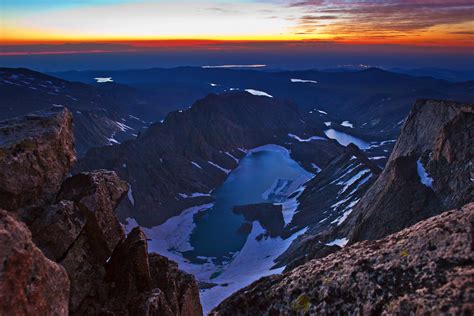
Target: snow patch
x=347, y=124
x=353, y=179
x=318, y=169
x=345, y=139
x=219, y=167
x=193, y=195
x=231, y=156
x=130, y=194
x=338, y=242
x=123, y=127
x=196, y=165
x=424, y=176
x=303, y=80
x=258, y=93
x=306, y=139
x=103, y=79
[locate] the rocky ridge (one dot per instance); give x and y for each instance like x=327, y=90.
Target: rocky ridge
x=92, y=267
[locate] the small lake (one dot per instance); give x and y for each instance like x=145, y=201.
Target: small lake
x=265, y=175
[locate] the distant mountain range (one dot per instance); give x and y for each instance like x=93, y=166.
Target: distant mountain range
x=376, y=101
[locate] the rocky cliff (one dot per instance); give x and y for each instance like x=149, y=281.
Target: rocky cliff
x=424, y=269
x=429, y=171
x=92, y=267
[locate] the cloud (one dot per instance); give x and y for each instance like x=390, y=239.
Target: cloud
x=376, y=18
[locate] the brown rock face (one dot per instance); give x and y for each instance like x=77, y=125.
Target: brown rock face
x=62, y=221
x=36, y=153
x=179, y=287
x=128, y=271
x=81, y=231
x=427, y=268
x=95, y=195
x=30, y=284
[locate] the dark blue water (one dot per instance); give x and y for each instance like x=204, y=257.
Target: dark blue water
x=216, y=233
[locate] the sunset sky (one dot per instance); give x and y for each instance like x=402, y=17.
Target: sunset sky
x=104, y=26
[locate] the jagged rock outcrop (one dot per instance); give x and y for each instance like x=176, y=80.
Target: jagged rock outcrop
x=30, y=283
x=179, y=287
x=426, y=268
x=36, y=153
x=148, y=284
x=429, y=171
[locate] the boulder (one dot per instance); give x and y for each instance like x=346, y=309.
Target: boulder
x=59, y=222
x=30, y=283
x=36, y=154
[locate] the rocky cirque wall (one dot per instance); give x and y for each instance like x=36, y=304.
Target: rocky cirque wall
x=91, y=266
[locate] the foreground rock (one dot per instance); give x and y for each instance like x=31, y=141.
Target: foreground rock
x=427, y=268
x=30, y=284
x=36, y=153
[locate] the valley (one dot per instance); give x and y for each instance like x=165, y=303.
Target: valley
x=250, y=178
